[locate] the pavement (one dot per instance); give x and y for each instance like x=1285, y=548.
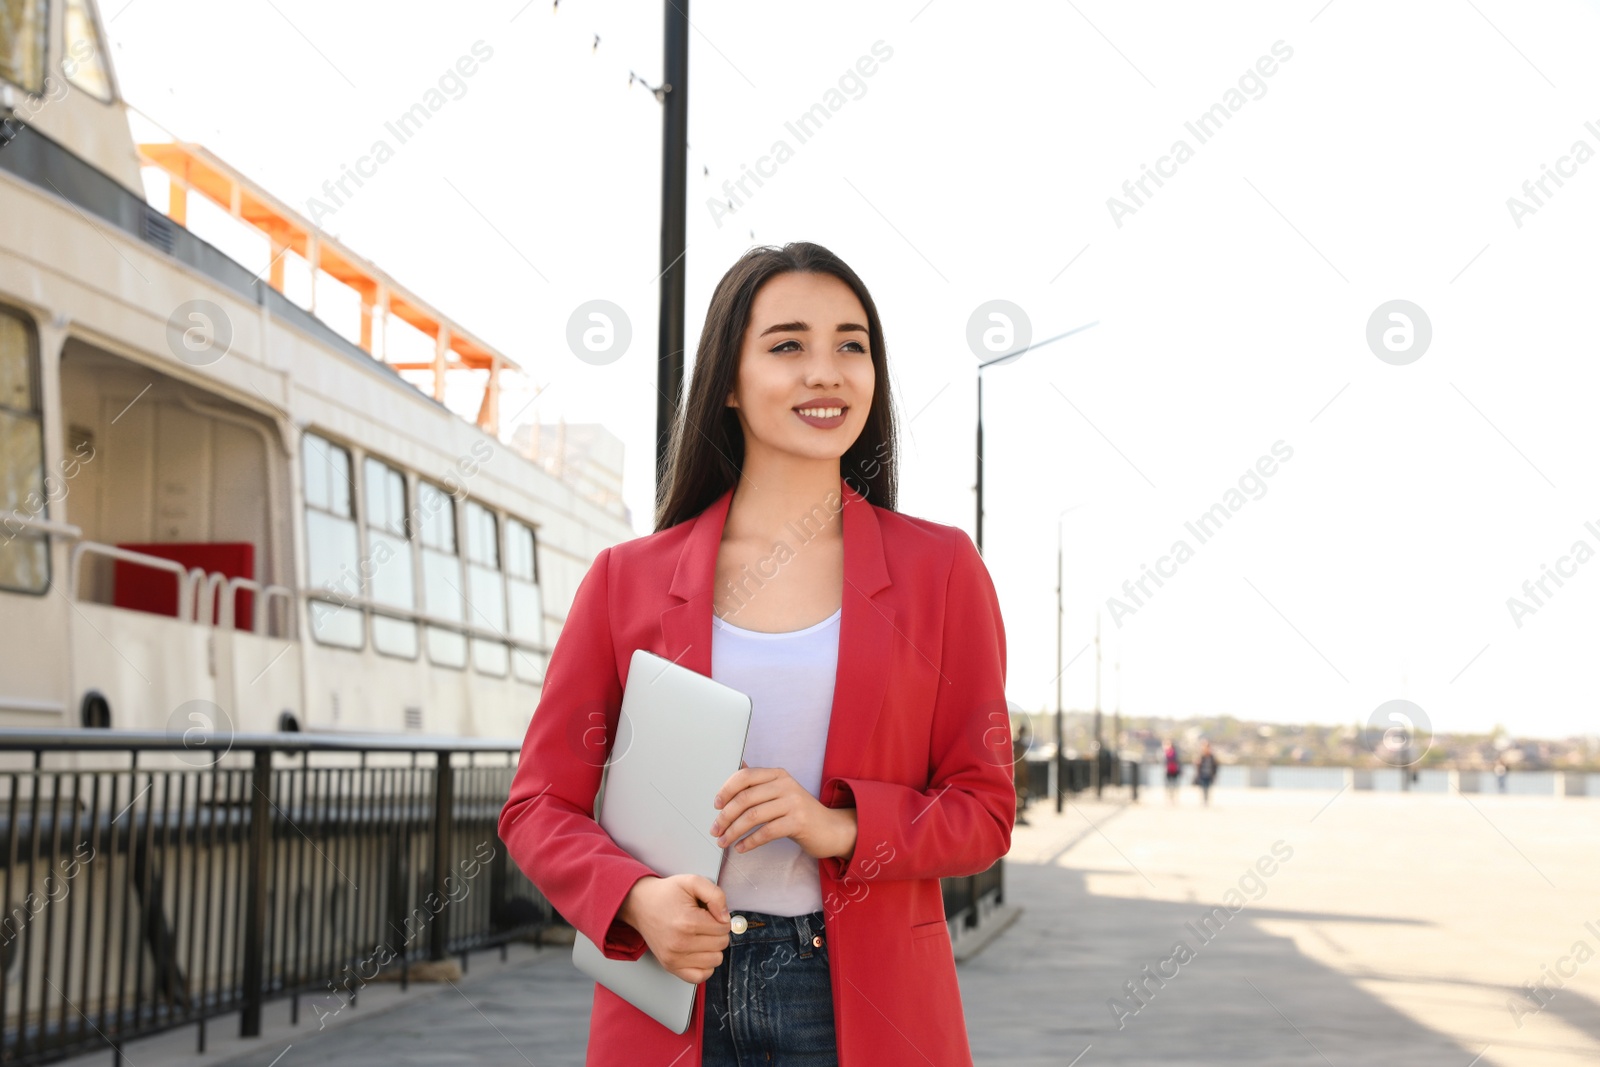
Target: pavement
x=1272, y=927
x=1400, y=929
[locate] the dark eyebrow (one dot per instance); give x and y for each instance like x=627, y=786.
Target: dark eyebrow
x=803, y=327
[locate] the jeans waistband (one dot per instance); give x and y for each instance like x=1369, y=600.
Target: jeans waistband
x=805, y=932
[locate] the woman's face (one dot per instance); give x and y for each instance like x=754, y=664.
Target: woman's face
x=805, y=348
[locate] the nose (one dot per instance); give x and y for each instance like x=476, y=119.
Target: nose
x=822, y=371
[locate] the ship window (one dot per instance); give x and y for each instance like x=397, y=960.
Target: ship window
x=526, y=621
x=441, y=574
x=83, y=59
x=332, y=555
x=391, y=579
x=24, y=25
x=24, y=552
x=485, y=589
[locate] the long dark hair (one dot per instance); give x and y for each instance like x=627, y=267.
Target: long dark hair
x=706, y=453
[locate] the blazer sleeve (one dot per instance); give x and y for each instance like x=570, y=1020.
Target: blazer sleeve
x=962, y=822
x=548, y=823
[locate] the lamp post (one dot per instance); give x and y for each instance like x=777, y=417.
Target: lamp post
x=1058, y=765
x=1099, y=740
x=1116, y=737
x=1007, y=358
x=674, y=94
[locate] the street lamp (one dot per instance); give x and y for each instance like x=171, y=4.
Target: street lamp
x=1007, y=358
x=674, y=96
x=1058, y=765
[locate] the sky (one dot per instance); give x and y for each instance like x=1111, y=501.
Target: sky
x=1347, y=317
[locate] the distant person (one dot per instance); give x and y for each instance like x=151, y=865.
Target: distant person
x=1205, y=771
x=1019, y=770
x=1174, y=770
x=1501, y=773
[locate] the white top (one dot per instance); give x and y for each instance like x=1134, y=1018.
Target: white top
x=789, y=678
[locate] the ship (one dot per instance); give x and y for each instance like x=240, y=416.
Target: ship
x=223, y=506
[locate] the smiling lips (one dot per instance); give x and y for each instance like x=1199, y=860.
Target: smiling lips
x=825, y=413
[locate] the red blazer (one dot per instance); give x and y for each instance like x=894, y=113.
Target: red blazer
x=919, y=743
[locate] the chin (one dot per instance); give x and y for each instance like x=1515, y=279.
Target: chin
x=814, y=450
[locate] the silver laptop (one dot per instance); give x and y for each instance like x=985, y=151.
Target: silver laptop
x=680, y=736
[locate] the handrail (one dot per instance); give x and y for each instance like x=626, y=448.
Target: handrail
x=204, y=586
x=49, y=526
x=83, y=548
x=37, y=739
x=171, y=950
x=198, y=598
x=263, y=594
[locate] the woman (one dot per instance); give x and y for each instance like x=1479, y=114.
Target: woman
x=1205, y=771
x=879, y=754
x=1174, y=770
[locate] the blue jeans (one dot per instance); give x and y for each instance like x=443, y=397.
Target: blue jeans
x=770, y=1003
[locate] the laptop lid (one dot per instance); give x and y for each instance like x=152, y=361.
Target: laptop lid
x=680, y=736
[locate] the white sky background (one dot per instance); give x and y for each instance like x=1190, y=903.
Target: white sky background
x=977, y=165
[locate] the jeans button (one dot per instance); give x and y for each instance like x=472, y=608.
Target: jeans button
x=740, y=924
x=817, y=941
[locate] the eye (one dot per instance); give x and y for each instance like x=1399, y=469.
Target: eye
x=784, y=346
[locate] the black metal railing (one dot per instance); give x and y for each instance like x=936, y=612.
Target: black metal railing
x=151, y=884
x=1078, y=776
x=965, y=900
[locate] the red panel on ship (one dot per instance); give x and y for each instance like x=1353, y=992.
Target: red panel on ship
x=143, y=588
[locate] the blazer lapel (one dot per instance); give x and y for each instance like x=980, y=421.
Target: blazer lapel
x=866, y=624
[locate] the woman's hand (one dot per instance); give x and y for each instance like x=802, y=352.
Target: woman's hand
x=769, y=798
x=683, y=920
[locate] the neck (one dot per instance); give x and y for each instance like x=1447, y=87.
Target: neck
x=777, y=495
